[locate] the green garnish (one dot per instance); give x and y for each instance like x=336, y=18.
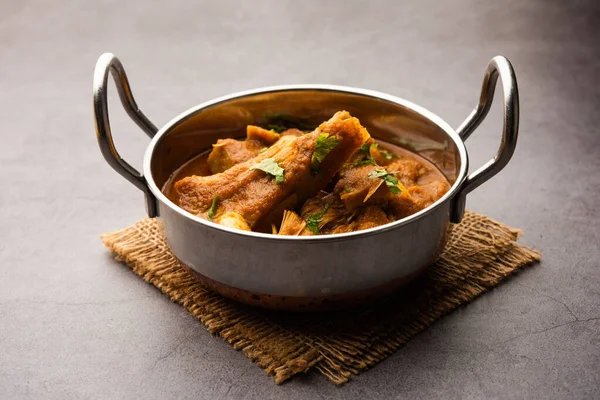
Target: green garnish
x=388, y=155
x=313, y=221
x=280, y=122
x=390, y=180
x=325, y=144
x=368, y=160
x=277, y=128
x=213, y=207
x=378, y=173
x=270, y=166
x=263, y=150
x=367, y=148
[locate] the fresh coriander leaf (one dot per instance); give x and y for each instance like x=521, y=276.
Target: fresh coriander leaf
x=213, y=207
x=392, y=187
x=325, y=144
x=378, y=173
x=388, y=155
x=313, y=221
x=277, y=128
x=270, y=166
x=281, y=122
x=368, y=161
x=367, y=148
x=390, y=180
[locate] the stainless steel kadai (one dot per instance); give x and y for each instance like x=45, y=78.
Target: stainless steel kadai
x=307, y=272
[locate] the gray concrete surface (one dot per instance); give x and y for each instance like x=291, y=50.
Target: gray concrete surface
x=75, y=324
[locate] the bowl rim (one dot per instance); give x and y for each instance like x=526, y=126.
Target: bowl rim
x=314, y=87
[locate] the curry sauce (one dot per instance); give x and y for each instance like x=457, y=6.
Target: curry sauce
x=334, y=179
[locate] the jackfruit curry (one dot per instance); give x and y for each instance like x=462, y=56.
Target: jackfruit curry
x=333, y=179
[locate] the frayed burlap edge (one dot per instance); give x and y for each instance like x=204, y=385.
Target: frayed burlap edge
x=479, y=254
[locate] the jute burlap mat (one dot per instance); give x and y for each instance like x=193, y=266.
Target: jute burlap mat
x=480, y=253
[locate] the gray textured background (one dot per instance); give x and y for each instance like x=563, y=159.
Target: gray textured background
x=75, y=324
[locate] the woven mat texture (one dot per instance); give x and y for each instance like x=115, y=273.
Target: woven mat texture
x=480, y=253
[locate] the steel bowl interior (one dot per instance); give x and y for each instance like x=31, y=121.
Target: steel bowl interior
x=387, y=118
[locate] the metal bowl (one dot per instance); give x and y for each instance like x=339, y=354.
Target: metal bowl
x=307, y=272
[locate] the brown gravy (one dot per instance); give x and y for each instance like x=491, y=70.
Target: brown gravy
x=199, y=166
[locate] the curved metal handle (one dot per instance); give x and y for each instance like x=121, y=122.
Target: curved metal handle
x=109, y=62
x=497, y=67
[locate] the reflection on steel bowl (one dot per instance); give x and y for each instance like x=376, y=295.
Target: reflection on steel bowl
x=306, y=214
